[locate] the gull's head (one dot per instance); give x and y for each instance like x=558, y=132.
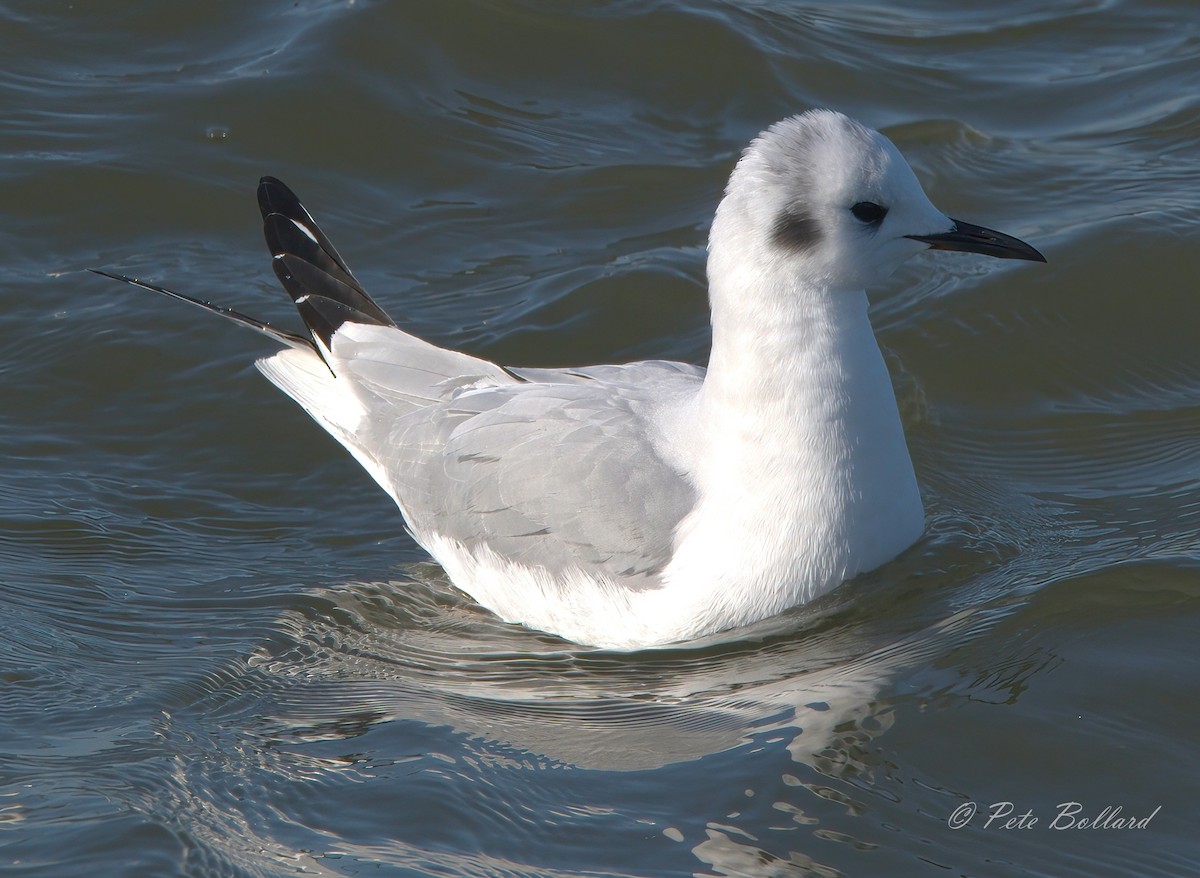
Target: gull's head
x=833, y=203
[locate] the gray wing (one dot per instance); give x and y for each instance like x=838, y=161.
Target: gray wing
x=549, y=475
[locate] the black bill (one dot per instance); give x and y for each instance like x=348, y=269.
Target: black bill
x=976, y=239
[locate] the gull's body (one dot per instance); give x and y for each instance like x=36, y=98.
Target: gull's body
x=635, y=505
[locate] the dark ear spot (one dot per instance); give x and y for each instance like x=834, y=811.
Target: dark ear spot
x=795, y=230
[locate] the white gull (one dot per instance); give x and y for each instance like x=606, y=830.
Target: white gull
x=634, y=505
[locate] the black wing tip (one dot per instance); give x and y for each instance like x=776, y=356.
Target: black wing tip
x=309, y=267
x=274, y=196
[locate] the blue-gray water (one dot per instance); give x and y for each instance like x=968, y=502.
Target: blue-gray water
x=220, y=655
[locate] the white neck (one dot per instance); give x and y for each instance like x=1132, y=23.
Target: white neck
x=801, y=463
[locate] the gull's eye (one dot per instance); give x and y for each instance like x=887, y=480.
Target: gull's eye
x=869, y=212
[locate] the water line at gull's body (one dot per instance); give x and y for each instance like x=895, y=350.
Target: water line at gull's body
x=641, y=504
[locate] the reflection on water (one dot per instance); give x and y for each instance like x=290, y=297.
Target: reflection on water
x=595, y=710
x=408, y=683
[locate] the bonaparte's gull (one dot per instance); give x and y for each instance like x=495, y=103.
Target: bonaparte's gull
x=640, y=504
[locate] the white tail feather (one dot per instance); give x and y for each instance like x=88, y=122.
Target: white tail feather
x=332, y=403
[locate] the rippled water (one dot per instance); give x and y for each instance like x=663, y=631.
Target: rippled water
x=220, y=654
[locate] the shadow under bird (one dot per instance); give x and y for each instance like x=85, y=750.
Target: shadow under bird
x=647, y=503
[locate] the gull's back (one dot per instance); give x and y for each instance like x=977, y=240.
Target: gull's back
x=548, y=469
